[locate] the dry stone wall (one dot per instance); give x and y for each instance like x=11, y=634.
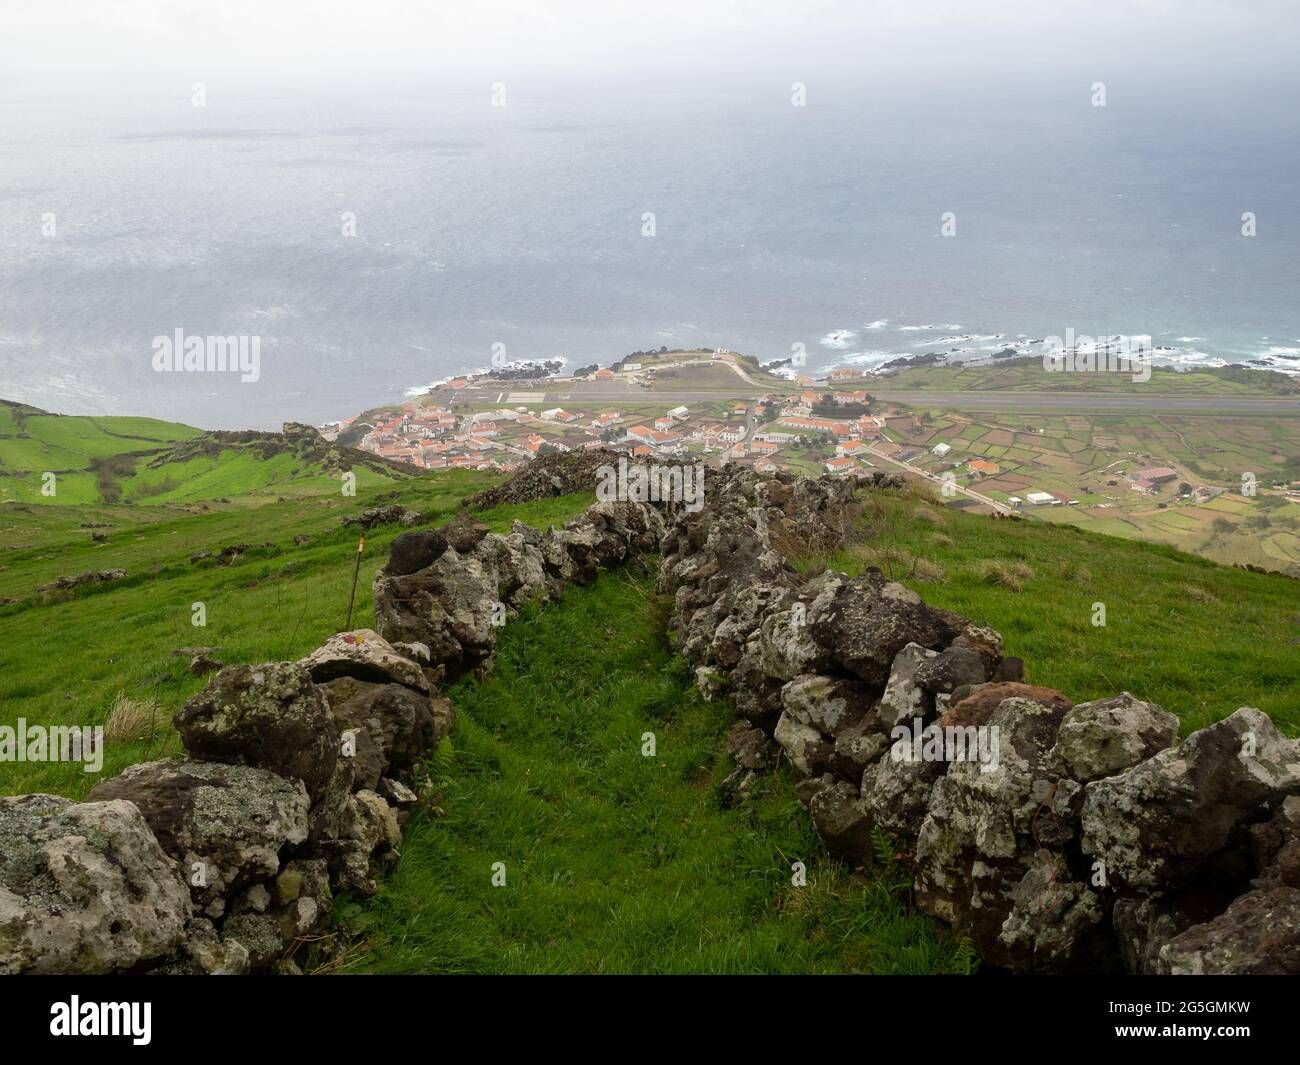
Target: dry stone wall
x=1056, y=837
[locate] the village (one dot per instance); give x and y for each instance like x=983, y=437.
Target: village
x=1120, y=474
x=805, y=428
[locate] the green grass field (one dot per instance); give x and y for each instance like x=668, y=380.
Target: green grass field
x=74, y=460
x=1196, y=637
x=64, y=661
x=615, y=861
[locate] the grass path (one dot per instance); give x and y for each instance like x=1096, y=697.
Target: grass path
x=616, y=862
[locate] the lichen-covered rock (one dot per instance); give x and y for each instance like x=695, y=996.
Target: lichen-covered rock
x=225, y=824
x=464, y=532
x=520, y=569
x=1106, y=736
x=751, y=748
x=858, y=746
x=259, y=935
x=953, y=667
x=349, y=866
x=828, y=704
x=333, y=813
x=377, y=825
x=985, y=641
x=412, y=551
x=1275, y=845
x=270, y=716
x=449, y=606
x=1258, y=935
x=202, y=953
x=869, y=620
x=396, y=793
x=788, y=649
x=904, y=698
x=987, y=826
x=84, y=888
x=363, y=655
x=754, y=694
x=1144, y=924
x=400, y=721
x=1183, y=815
x=840, y=820
x=808, y=750
x=1056, y=922
x=896, y=793
x=709, y=682
x=603, y=535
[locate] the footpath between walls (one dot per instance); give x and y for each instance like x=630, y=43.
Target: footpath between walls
x=1056, y=837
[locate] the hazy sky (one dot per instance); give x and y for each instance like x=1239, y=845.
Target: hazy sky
x=48, y=44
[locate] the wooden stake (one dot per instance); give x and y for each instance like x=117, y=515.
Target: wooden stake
x=356, y=572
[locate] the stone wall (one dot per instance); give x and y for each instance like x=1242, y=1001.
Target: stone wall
x=298, y=779
x=1094, y=842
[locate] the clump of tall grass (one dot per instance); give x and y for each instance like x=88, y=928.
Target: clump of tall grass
x=132, y=719
x=1010, y=575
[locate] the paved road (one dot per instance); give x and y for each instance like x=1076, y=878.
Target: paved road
x=970, y=493
x=996, y=402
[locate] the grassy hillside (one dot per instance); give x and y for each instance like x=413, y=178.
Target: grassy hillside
x=1196, y=637
x=616, y=862
x=143, y=460
x=65, y=657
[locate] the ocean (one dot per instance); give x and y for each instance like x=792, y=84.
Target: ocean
x=378, y=243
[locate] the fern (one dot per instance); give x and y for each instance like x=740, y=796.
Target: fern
x=966, y=960
x=883, y=849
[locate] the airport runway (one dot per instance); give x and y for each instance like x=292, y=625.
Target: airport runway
x=997, y=402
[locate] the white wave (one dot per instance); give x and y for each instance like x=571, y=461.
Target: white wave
x=838, y=338
x=868, y=359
